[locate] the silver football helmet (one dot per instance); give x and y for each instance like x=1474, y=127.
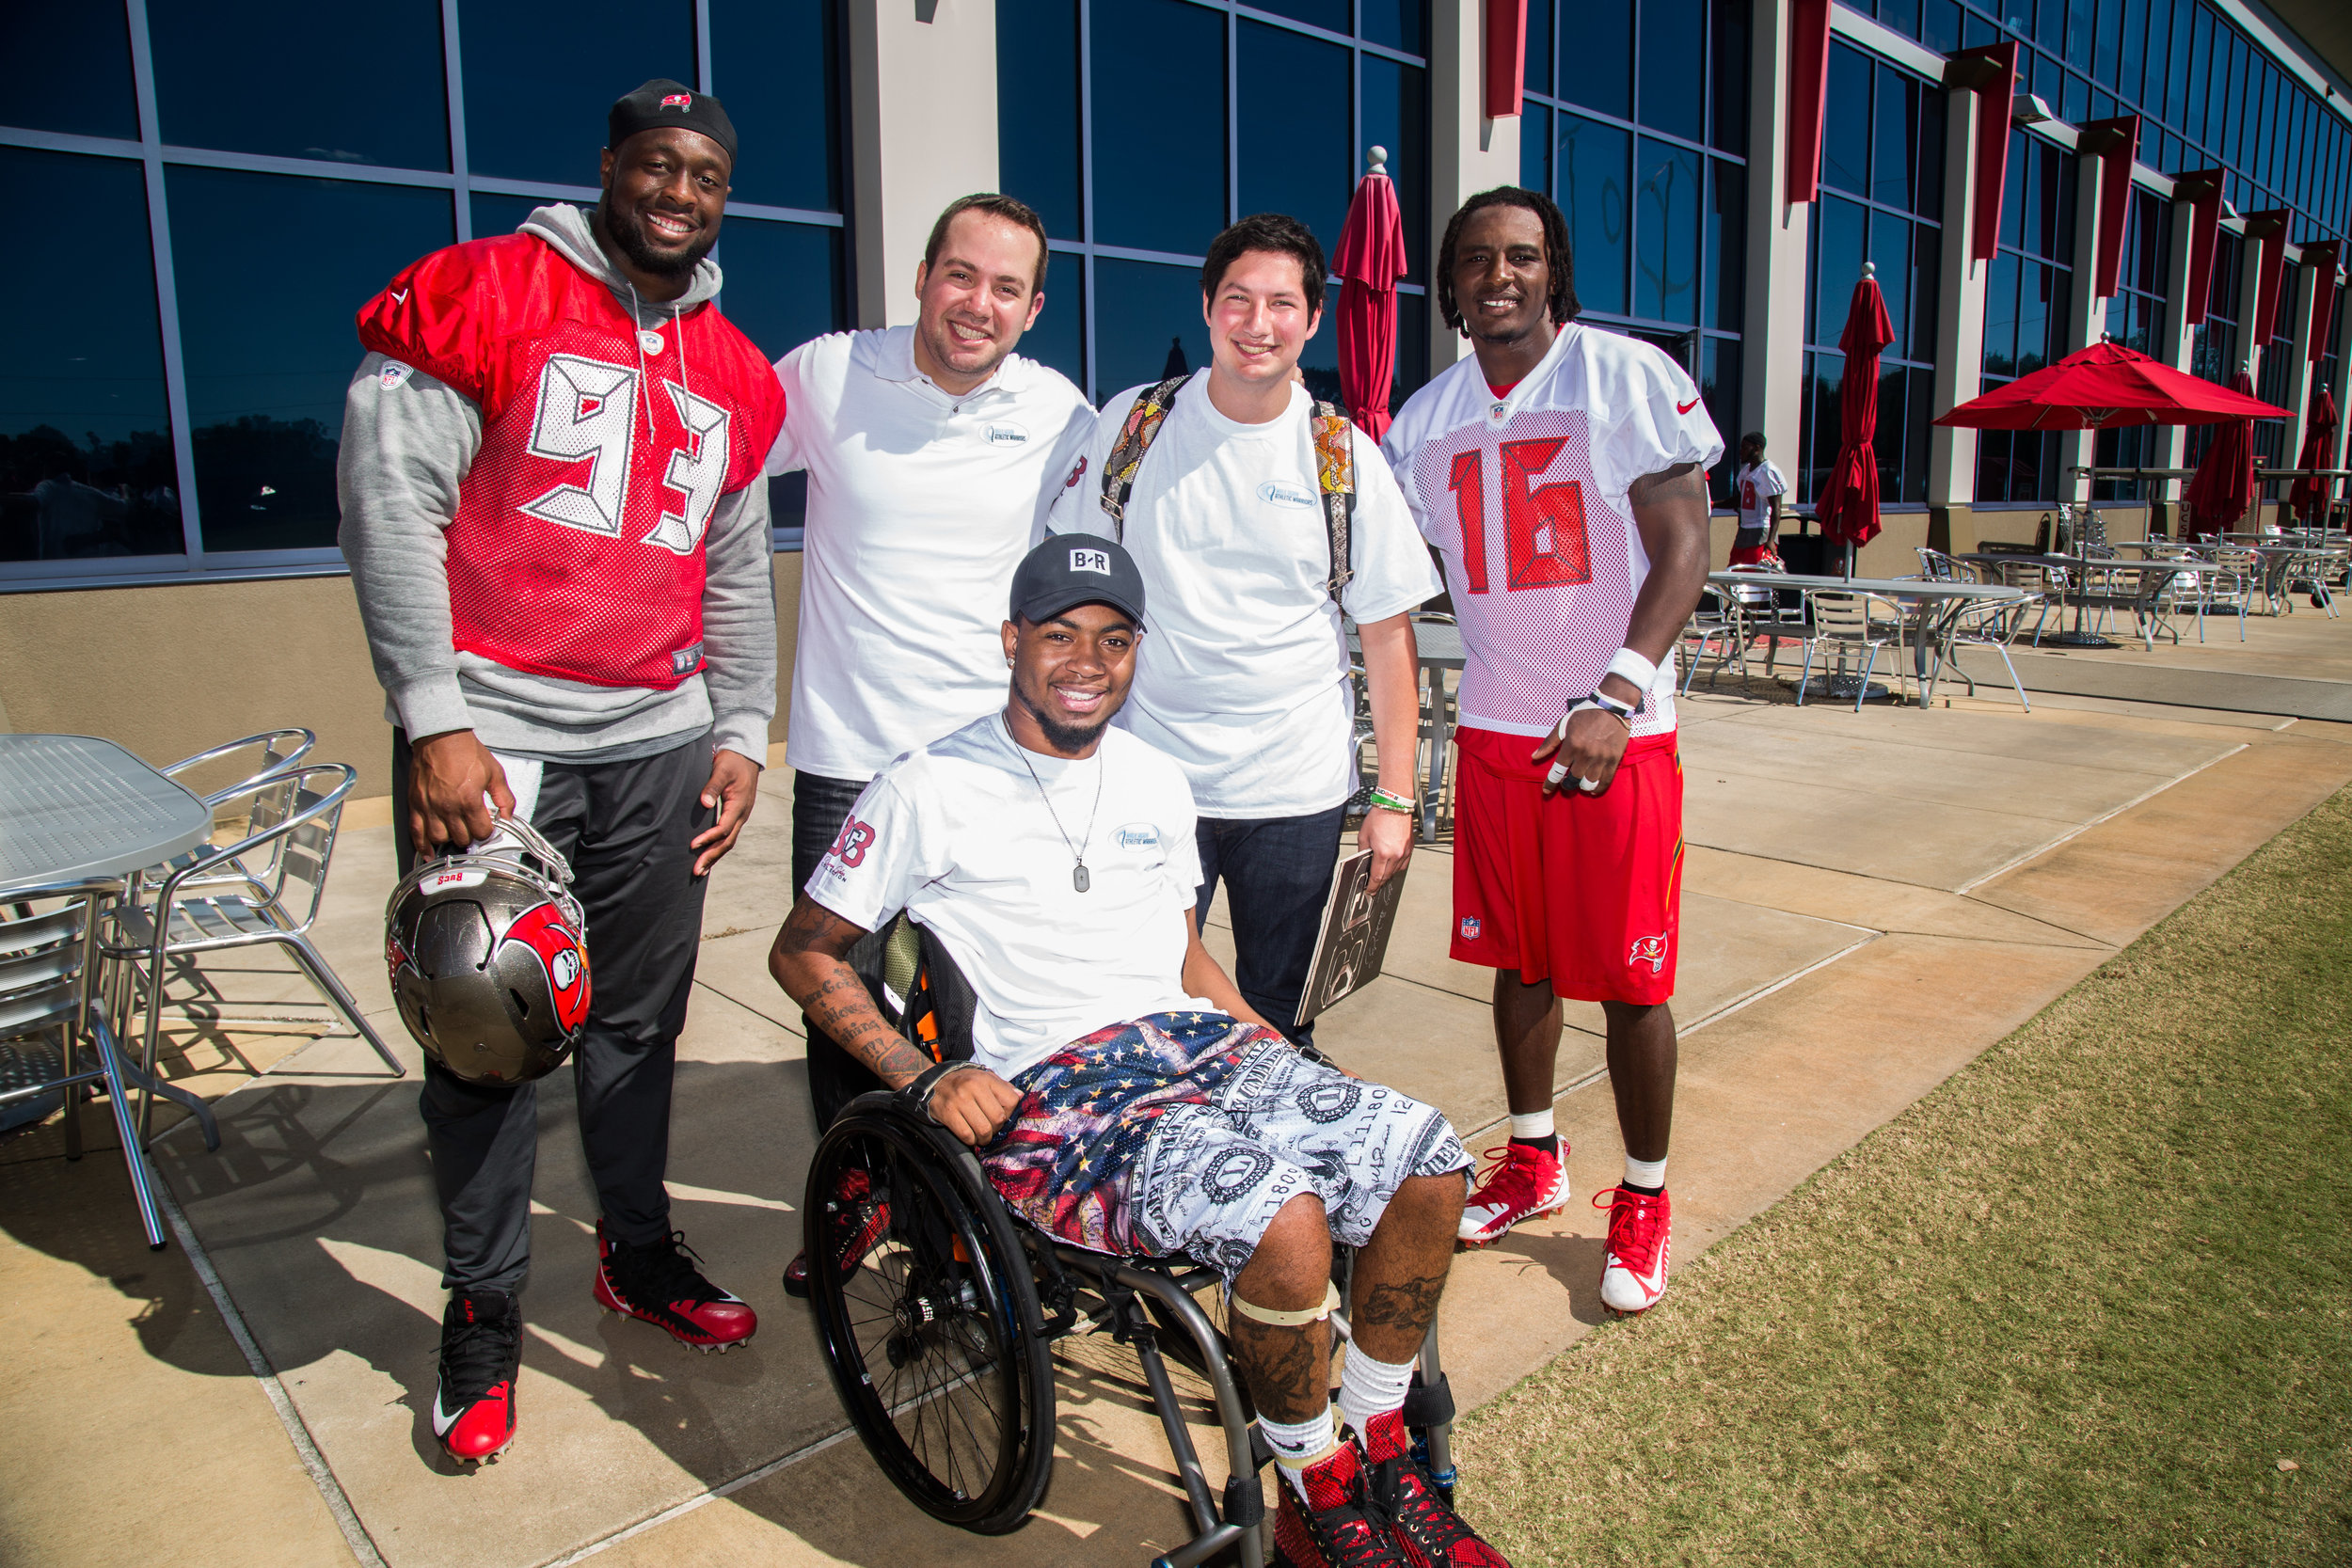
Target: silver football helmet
x=489, y=953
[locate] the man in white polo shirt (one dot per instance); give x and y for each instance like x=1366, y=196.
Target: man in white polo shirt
x=929, y=448
x=1244, y=681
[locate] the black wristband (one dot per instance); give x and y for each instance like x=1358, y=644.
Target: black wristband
x=918, y=1089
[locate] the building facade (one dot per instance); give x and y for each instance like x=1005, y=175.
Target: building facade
x=170, y=403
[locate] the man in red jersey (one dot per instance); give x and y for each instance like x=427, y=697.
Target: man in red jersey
x=557, y=527
x=1561, y=471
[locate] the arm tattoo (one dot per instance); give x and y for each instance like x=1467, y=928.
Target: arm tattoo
x=812, y=939
x=1651, y=489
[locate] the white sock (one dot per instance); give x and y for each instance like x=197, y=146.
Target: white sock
x=1645, y=1173
x=1368, y=1387
x=1532, y=1124
x=1297, y=1445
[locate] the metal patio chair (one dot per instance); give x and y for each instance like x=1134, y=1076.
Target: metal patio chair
x=1861, y=622
x=1715, y=620
x=1763, y=614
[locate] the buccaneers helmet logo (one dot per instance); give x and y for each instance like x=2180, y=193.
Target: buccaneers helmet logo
x=1648, y=950
x=542, y=929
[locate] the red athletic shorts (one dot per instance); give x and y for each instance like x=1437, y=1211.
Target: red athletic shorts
x=1584, y=891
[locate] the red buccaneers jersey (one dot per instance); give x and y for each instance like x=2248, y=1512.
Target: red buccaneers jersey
x=577, y=550
x=1524, y=496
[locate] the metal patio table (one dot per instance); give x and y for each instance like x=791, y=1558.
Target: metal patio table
x=1939, y=605
x=77, y=814
x=2152, y=576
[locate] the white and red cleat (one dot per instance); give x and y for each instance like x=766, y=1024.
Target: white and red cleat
x=1524, y=1184
x=660, y=1283
x=1641, y=1234
x=482, y=1353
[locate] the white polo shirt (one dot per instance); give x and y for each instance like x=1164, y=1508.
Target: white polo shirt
x=919, y=507
x=1242, y=672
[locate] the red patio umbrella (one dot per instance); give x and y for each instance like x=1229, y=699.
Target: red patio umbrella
x=2310, y=495
x=1371, y=259
x=2224, y=486
x=1847, y=508
x=2104, y=385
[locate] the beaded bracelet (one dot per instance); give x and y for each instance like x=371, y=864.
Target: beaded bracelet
x=1390, y=799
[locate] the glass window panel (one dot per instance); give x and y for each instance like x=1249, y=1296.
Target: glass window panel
x=1726, y=245
x=2103, y=104
x=2074, y=106
x=1538, y=73
x=493, y=215
x=1886, y=438
x=1680, y=347
x=1595, y=184
x=1412, y=347
x=1928, y=182
x=266, y=368
x=1036, y=110
x=1890, y=252
x=2078, y=16
x=72, y=68
x=1927, y=270
x=2199, y=55
x=1974, y=31
x=312, y=106
x=2021, y=190
x=2147, y=40
x=2000, y=317
x=1319, y=13
x=2108, y=43
x=1728, y=67
x=1940, y=26
x=1292, y=118
x=1672, y=77
x=1394, y=113
x=1059, y=339
x=2179, y=55
x=1535, y=149
x=1846, y=128
x=1922, y=402
x=1718, y=383
x=1902, y=15
x=87, y=466
x=1404, y=23
x=1598, y=38
x=1824, y=377
x=1165, y=66
x=1992, y=467
x=1894, y=138
x=536, y=94
x=776, y=64
x=784, y=282
x=2125, y=39
x=1666, y=218
x=1844, y=225
x=2050, y=29
x=1147, y=323
x=2035, y=286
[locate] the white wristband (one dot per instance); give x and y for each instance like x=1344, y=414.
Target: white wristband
x=1633, y=667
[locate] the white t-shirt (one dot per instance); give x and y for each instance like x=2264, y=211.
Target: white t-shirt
x=957, y=833
x=919, y=507
x=1753, y=489
x=1242, y=672
x=1524, y=496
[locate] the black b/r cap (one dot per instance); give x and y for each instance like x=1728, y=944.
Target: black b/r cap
x=1074, y=569
x=662, y=105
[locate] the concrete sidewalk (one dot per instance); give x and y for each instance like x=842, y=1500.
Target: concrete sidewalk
x=1871, y=899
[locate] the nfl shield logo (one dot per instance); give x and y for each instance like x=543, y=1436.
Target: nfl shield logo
x=1471, y=927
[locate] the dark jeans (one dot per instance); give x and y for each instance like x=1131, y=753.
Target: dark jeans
x=1277, y=874
x=820, y=804
x=626, y=828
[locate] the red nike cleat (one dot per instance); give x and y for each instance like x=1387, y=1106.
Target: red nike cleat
x=1524, y=1184
x=660, y=1283
x=1338, y=1527
x=856, y=1220
x=1641, y=1234
x=1427, y=1531
x=481, y=1352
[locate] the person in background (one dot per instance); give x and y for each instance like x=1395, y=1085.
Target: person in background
x=1757, y=489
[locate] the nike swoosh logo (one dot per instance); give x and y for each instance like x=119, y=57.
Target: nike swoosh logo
x=442, y=1419
x=1686, y=407
x=400, y=296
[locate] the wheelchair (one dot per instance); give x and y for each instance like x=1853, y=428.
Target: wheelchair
x=938, y=1308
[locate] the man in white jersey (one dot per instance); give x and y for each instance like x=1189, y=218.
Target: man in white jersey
x=1756, y=487
x=1561, y=471
x=1119, y=1092
x=928, y=448
x=1245, y=679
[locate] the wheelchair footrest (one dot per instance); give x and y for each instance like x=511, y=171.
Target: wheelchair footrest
x=1428, y=1405
x=1244, y=1501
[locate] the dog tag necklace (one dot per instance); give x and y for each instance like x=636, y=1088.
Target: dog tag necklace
x=1078, y=878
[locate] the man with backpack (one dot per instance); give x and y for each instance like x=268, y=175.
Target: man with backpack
x=1258, y=517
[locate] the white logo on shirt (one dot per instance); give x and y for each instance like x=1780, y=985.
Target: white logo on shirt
x=1090, y=561
x=393, y=373
x=1004, y=436
x=1280, y=494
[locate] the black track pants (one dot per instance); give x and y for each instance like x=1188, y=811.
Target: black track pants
x=626, y=828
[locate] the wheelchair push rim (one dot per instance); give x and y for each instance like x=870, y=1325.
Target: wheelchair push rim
x=933, y=1331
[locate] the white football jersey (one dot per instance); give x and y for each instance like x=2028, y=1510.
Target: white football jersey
x=1524, y=496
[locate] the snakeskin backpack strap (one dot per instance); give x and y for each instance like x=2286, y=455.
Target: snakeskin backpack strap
x=1335, y=477
x=1135, y=438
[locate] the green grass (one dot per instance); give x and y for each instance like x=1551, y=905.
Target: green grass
x=2074, y=1306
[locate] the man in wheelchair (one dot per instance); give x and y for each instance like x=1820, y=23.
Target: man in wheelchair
x=1121, y=1094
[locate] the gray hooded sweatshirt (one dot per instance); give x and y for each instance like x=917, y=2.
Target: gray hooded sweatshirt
x=405, y=449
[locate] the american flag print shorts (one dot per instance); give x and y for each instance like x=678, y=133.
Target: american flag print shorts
x=1186, y=1133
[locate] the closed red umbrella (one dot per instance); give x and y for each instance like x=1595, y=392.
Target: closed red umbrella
x=2104, y=385
x=1371, y=259
x=2224, y=486
x=2310, y=495
x=1848, y=506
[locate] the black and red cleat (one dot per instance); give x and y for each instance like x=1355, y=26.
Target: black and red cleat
x=481, y=1352
x=660, y=1283
x=1427, y=1532
x=1338, y=1526
x=855, y=1219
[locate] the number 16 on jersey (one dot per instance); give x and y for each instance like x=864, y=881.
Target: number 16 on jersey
x=1543, y=525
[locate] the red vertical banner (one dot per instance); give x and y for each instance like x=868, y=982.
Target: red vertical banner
x=2202, y=190
x=2320, y=257
x=1990, y=70
x=2117, y=142
x=1506, y=56
x=1808, y=95
x=2272, y=227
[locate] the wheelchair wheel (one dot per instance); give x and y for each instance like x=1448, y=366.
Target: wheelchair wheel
x=927, y=1309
